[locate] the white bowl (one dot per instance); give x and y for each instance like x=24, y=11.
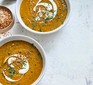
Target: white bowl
x=35, y=43
x=18, y=4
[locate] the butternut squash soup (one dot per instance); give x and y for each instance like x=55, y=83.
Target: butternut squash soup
x=43, y=15
x=20, y=63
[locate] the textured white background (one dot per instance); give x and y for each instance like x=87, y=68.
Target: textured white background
x=70, y=50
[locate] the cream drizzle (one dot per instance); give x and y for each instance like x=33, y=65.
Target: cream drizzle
x=1, y=84
x=48, y=13
x=9, y=79
x=22, y=71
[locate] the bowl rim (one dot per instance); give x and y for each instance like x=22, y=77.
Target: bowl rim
x=11, y=24
x=18, y=4
x=36, y=44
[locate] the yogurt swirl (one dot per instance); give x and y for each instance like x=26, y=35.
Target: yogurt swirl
x=50, y=12
x=13, y=61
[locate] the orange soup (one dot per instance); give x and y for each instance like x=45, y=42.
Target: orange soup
x=20, y=63
x=43, y=15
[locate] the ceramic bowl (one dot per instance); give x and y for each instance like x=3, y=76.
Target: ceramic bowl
x=35, y=43
x=11, y=24
x=36, y=32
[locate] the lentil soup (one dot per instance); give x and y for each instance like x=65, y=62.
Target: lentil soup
x=20, y=63
x=43, y=15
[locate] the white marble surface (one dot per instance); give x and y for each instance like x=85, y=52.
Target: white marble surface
x=69, y=51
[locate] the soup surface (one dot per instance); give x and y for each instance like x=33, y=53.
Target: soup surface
x=43, y=15
x=20, y=63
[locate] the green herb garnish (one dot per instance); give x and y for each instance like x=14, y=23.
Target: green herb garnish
x=34, y=24
x=9, y=53
x=48, y=18
x=12, y=71
x=24, y=62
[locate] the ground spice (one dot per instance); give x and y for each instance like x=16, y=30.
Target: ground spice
x=5, y=18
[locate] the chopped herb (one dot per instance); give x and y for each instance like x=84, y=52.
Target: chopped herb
x=51, y=10
x=47, y=19
x=11, y=75
x=9, y=53
x=58, y=16
x=24, y=62
x=34, y=24
x=12, y=71
x=44, y=11
x=28, y=57
x=62, y=22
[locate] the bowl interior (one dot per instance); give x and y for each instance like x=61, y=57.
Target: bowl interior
x=12, y=22
x=35, y=43
x=18, y=4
